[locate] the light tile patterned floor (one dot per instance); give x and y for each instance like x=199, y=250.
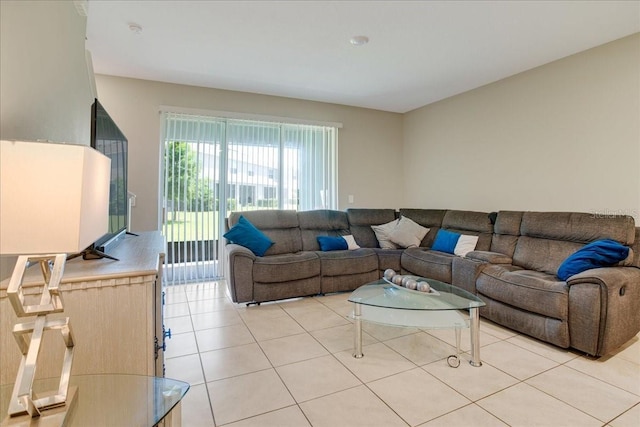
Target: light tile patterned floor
x=289, y=364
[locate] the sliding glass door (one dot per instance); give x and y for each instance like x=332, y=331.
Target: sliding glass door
x=212, y=166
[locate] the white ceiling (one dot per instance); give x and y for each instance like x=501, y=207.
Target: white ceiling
x=419, y=51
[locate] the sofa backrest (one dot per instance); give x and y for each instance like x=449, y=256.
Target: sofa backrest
x=361, y=220
x=281, y=226
x=471, y=223
x=506, y=231
x=321, y=222
x=548, y=238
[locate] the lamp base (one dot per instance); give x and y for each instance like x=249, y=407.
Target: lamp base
x=23, y=399
x=58, y=416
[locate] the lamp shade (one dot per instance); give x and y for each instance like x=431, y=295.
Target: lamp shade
x=54, y=198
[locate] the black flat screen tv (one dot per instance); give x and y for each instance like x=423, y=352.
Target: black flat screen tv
x=107, y=138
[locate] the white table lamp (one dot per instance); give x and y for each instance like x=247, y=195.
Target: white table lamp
x=54, y=200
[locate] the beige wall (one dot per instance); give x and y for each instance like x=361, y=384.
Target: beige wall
x=564, y=136
x=44, y=79
x=45, y=85
x=369, y=147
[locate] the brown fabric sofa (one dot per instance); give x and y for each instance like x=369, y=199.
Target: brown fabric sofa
x=513, y=268
x=295, y=266
x=594, y=311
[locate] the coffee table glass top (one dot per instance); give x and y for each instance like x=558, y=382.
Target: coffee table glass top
x=387, y=304
x=386, y=295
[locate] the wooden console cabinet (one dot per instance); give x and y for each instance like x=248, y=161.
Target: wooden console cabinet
x=115, y=310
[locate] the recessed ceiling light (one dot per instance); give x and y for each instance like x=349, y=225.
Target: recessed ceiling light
x=359, y=40
x=135, y=28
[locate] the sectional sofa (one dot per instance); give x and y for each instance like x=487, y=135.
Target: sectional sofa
x=513, y=267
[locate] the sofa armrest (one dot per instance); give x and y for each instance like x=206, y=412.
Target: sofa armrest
x=240, y=272
x=490, y=257
x=604, y=308
x=234, y=250
x=465, y=272
x=616, y=277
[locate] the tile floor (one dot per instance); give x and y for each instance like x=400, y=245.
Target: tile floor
x=289, y=364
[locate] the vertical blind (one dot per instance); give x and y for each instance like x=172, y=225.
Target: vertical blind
x=213, y=166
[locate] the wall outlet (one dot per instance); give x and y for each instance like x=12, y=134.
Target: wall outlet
x=350, y=198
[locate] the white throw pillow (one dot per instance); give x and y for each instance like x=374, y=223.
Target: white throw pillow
x=408, y=233
x=351, y=242
x=465, y=245
x=382, y=232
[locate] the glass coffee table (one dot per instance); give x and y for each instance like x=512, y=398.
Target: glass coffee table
x=387, y=304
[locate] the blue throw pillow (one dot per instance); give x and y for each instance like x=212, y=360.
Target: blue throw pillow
x=328, y=243
x=246, y=234
x=601, y=253
x=446, y=241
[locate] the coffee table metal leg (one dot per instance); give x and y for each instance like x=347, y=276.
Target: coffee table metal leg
x=454, y=359
x=474, y=314
x=357, y=337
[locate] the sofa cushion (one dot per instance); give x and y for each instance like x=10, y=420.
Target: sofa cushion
x=328, y=243
x=383, y=234
x=346, y=282
x=427, y=263
x=287, y=267
x=544, y=255
x=578, y=227
x=506, y=232
x=528, y=290
x=338, y=263
x=281, y=226
x=245, y=234
x=323, y=219
x=470, y=223
x=554, y=331
x=601, y=253
x=426, y=217
x=281, y=290
x=408, y=233
x=267, y=219
x=508, y=223
x=389, y=258
x=361, y=220
x=321, y=222
x=467, y=221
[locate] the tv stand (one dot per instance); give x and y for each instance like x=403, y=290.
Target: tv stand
x=115, y=309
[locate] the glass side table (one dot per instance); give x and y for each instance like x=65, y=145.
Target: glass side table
x=106, y=400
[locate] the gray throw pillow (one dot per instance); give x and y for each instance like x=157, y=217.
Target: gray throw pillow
x=383, y=231
x=408, y=233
